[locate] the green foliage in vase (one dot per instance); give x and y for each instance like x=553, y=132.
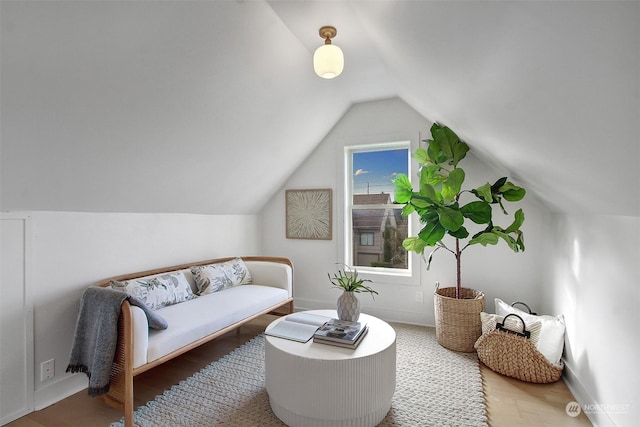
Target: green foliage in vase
x=348, y=281
x=440, y=206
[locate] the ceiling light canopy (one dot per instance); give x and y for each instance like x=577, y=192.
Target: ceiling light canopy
x=328, y=60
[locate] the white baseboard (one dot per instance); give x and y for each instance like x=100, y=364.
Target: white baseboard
x=58, y=390
x=585, y=399
x=7, y=418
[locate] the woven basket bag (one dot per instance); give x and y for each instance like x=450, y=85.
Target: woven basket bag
x=516, y=356
x=458, y=324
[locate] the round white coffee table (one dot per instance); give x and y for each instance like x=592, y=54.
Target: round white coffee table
x=314, y=384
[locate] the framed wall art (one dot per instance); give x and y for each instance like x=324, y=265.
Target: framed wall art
x=308, y=214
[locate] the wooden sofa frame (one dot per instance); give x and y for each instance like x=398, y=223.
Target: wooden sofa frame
x=120, y=393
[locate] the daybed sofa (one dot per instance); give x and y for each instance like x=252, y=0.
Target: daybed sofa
x=203, y=316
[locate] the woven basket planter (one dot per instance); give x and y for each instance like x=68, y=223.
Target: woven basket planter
x=458, y=324
x=516, y=357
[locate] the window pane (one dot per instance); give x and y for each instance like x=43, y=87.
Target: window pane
x=387, y=229
x=373, y=172
x=366, y=238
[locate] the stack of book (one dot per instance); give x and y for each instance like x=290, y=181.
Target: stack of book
x=341, y=333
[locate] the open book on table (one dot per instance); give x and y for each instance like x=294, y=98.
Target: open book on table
x=297, y=327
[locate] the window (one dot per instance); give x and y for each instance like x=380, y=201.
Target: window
x=375, y=227
x=366, y=238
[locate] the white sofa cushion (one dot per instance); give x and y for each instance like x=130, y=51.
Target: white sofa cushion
x=208, y=314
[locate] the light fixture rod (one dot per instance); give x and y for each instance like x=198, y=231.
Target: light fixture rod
x=327, y=33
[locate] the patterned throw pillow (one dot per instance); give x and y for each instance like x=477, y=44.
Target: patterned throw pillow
x=489, y=322
x=158, y=291
x=209, y=279
x=216, y=277
x=237, y=272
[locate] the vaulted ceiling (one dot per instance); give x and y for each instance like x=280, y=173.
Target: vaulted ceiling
x=101, y=101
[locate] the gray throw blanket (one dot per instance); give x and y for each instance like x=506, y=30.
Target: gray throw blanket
x=96, y=336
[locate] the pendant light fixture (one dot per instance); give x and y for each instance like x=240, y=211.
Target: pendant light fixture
x=328, y=60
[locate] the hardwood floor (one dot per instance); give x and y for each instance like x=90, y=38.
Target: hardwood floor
x=509, y=402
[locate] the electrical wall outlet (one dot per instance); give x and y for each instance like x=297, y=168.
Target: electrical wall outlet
x=47, y=370
x=419, y=296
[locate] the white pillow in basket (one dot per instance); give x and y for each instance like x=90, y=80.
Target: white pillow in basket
x=489, y=322
x=551, y=341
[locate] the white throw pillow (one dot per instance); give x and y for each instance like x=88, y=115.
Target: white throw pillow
x=489, y=322
x=158, y=291
x=551, y=341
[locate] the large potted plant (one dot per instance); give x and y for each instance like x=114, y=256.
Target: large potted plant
x=447, y=217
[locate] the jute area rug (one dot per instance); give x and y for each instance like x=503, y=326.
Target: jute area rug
x=434, y=387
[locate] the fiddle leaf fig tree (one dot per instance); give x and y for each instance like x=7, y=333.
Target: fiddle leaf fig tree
x=443, y=207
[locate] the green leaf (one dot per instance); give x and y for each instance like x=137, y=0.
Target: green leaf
x=512, y=192
x=421, y=156
x=404, y=189
x=478, y=212
x=407, y=210
x=486, y=238
x=414, y=244
x=433, y=151
x=495, y=188
x=429, y=215
x=451, y=219
x=517, y=222
x=430, y=174
x=441, y=137
x=520, y=240
x=459, y=152
x=432, y=233
x=453, y=184
x=451, y=141
x=429, y=192
x=420, y=203
x=508, y=239
x=484, y=193
x=434, y=127
x=460, y=233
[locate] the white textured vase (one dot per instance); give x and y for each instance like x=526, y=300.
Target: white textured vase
x=348, y=307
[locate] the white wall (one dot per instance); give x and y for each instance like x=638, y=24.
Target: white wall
x=111, y=106
x=16, y=319
x=73, y=250
x=592, y=278
x=497, y=271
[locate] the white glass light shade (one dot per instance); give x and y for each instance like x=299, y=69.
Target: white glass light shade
x=328, y=61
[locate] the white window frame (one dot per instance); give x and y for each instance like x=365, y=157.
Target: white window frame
x=389, y=275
